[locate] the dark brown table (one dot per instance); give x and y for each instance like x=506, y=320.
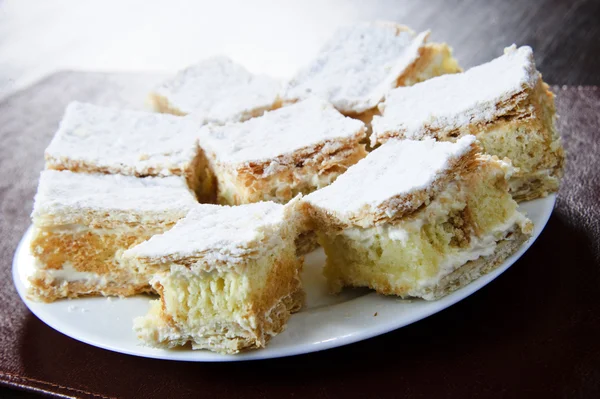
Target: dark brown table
x=533, y=332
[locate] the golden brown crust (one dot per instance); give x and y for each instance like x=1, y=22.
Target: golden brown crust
x=248, y=183
x=399, y=206
x=52, y=290
x=282, y=281
x=306, y=242
x=204, y=182
x=87, y=251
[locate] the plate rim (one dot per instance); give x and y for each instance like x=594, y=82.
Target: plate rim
x=264, y=353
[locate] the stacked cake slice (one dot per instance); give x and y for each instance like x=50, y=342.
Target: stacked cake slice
x=417, y=219
x=94, y=139
x=295, y=149
x=360, y=64
x=504, y=103
x=217, y=90
x=230, y=277
x=84, y=222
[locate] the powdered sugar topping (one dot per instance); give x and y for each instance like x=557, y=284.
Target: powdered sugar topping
x=223, y=233
x=450, y=101
x=280, y=132
x=358, y=65
x=120, y=141
x=397, y=168
x=68, y=192
x=219, y=90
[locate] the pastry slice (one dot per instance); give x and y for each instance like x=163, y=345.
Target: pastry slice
x=82, y=223
x=217, y=90
x=417, y=219
x=294, y=149
x=361, y=63
x=95, y=139
x=231, y=278
x=504, y=103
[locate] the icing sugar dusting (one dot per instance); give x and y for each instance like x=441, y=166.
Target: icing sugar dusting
x=358, y=65
x=450, y=101
x=216, y=231
x=65, y=191
x=127, y=141
x=219, y=90
x=279, y=132
x=398, y=167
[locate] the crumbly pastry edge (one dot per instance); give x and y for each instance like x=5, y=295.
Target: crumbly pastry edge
x=398, y=206
x=262, y=175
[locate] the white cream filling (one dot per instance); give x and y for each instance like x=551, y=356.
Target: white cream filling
x=81, y=228
x=368, y=236
x=69, y=274
x=479, y=246
x=435, y=212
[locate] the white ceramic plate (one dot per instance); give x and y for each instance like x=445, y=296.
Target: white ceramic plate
x=326, y=322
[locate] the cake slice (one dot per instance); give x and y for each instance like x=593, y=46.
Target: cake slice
x=361, y=63
x=231, y=277
x=217, y=90
x=82, y=223
x=417, y=219
x=294, y=149
x=95, y=139
x=504, y=103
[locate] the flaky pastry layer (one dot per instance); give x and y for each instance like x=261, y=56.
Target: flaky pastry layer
x=300, y=173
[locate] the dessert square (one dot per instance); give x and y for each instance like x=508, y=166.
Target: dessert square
x=294, y=149
x=417, y=219
x=505, y=103
x=361, y=63
x=95, y=139
x=82, y=223
x=231, y=277
x=217, y=90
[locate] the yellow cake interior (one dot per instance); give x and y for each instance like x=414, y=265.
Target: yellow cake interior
x=224, y=310
x=411, y=256
x=77, y=260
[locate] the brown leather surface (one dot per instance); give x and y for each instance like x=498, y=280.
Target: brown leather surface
x=533, y=331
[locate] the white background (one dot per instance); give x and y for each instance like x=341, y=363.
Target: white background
x=37, y=38
x=274, y=37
